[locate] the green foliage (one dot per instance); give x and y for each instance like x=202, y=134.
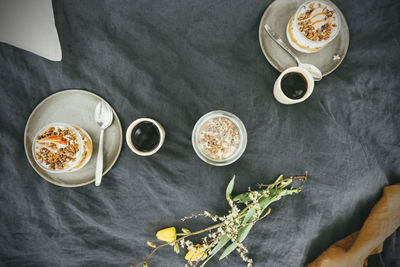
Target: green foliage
x=229, y=188
x=234, y=227
x=229, y=250
x=176, y=248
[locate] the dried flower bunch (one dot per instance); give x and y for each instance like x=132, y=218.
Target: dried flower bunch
x=246, y=209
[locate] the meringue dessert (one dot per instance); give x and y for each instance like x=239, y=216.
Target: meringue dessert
x=314, y=25
x=61, y=147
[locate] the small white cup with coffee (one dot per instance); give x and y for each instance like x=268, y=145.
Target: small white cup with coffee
x=145, y=136
x=294, y=85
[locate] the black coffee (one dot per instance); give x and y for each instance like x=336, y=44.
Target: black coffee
x=294, y=85
x=145, y=136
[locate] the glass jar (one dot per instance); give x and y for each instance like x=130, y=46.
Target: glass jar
x=219, y=138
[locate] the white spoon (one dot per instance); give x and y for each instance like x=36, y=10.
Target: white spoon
x=103, y=116
x=313, y=70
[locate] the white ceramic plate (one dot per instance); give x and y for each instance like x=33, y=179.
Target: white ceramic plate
x=277, y=16
x=75, y=107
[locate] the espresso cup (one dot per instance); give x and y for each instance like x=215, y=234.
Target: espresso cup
x=155, y=144
x=293, y=95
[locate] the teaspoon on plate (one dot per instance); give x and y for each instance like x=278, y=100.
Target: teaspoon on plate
x=103, y=116
x=313, y=70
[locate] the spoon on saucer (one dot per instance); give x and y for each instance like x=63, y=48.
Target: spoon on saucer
x=313, y=70
x=103, y=116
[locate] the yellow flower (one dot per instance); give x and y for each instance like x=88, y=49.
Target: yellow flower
x=196, y=254
x=167, y=234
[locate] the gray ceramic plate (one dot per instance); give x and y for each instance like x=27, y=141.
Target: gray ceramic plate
x=277, y=16
x=75, y=107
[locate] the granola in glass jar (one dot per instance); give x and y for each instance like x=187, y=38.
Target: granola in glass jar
x=218, y=138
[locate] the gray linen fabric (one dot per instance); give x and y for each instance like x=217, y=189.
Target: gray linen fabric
x=174, y=61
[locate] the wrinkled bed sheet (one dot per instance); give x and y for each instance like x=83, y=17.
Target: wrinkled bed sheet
x=174, y=61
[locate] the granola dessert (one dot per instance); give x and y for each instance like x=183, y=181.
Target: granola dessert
x=313, y=26
x=61, y=147
x=218, y=138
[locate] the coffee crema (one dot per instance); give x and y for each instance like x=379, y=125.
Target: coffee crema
x=145, y=136
x=294, y=85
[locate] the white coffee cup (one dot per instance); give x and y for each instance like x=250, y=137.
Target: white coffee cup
x=129, y=136
x=280, y=95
